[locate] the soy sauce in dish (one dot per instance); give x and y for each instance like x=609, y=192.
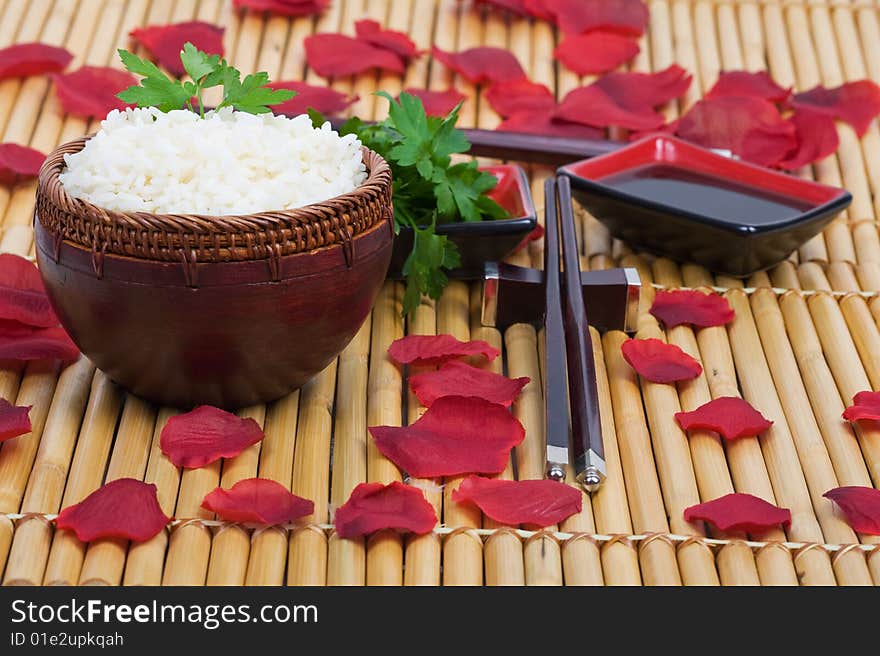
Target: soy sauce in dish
x=698, y=193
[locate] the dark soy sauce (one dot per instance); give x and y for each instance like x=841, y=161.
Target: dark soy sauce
x=702, y=194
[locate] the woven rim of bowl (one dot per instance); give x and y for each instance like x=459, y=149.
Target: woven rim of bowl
x=191, y=238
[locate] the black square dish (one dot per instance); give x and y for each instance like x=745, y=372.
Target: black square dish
x=674, y=198
x=482, y=241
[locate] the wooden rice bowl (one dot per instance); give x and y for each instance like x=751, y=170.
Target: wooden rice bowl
x=230, y=311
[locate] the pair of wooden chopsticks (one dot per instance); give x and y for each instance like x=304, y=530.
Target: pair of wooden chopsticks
x=568, y=348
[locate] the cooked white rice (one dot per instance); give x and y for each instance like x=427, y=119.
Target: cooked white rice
x=226, y=163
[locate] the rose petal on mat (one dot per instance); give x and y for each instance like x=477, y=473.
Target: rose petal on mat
x=745, y=83
x=658, y=361
x=865, y=405
x=595, y=52
x=515, y=6
x=22, y=295
x=334, y=55
x=436, y=349
x=456, y=435
x=857, y=103
x=91, y=90
x=628, y=17
x=536, y=502
x=749, y=127
x=18, y=163
x=538, y=9
x=257, y=501
x=460, y=379
x=514, y=96
x=323, y=100
x=125, y=508
x=482, y=65
x=397, y=42
x=543, y=123
x=677, y=306
x=816, y=136
x=591, y=105
x=739, y=512
x=15, y=420
x=437, y=103
x=373, y=507
x=534, y=235
x=21, y=342
x=860, y=506
x=285, y=7
x=642, y=90
x=165, y=42
x=25, y=59
x=201, y=436
x=729, y=416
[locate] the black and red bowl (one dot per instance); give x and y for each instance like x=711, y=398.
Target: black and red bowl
x=723, y=241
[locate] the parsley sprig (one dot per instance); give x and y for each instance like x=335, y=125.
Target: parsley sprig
x=428, y=188
x=156, y=89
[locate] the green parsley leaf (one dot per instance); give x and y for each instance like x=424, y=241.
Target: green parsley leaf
x=156, y=89
x=424, y=266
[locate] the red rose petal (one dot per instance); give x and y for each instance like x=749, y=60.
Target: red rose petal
x=537, y=502
x=658, y=361
x=285, y=7
x=544, y=123
x=578, y=16
x=373, y=507
x=257, y=501
x=860, y=505
x=595, y=52
x=460, y=379
x=15, y=420
x=25, y=59
x=456, y=435
x=857, y=103
x=515, y=6
x=334, y=55
x=729, y=416
x=482, y=65
x=749, y=127
x=643, y=90
x=21, y=342
x=591, y=105
x=397, y=42
x=323, y=100
x=816, y=136
x=206, y=434
x=677, y=306
x=437, y=349
x=744, y=83
x=125, y=508
x=18, y=163
x=514, y=96
x=866, y=405
x=91, y=90
x=437, y=103
x=166, y=41
x=739, y=512
x=22, y=295
x=538, y=9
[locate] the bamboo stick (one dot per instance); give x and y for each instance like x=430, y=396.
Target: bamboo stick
x=658, y=561
x=86, y=475
x=815, y=462
x=347, y=558
x=105, y=559
x=849, y=374
x=812, y=276
x=777, y=443
x=384, y=395
x=146, y=559
x=710, y=466
x=27, y=558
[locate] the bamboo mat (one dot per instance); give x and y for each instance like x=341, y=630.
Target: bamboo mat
x=805, y=340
